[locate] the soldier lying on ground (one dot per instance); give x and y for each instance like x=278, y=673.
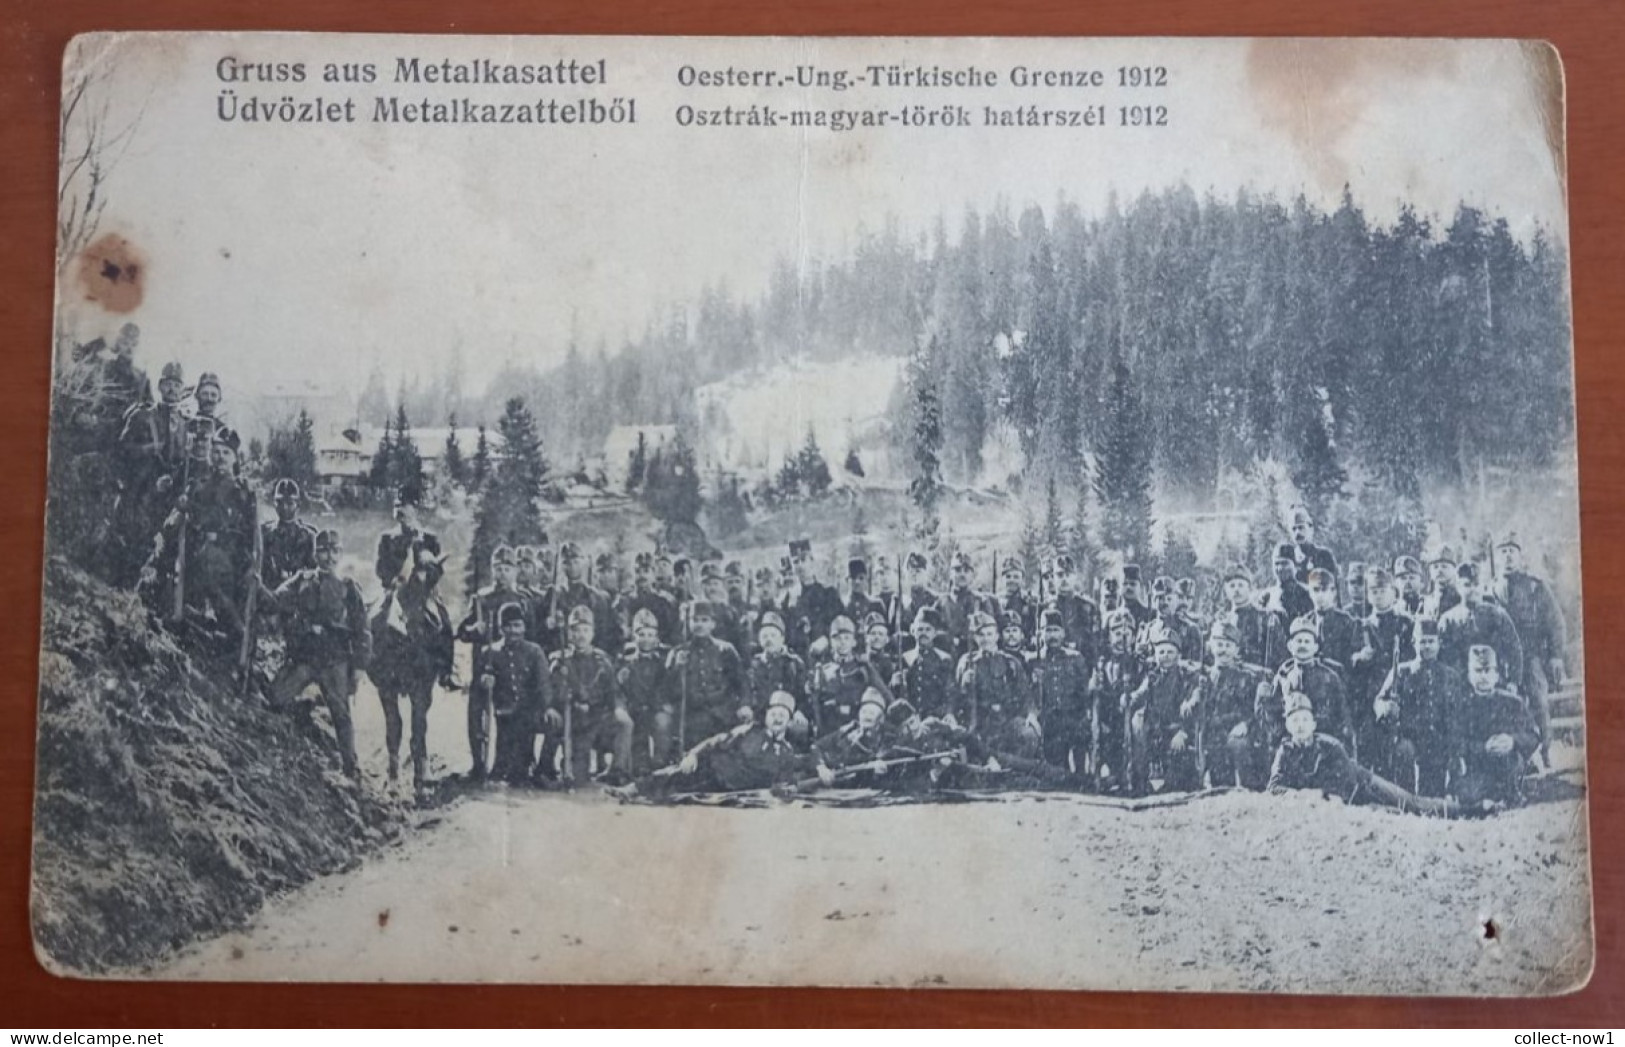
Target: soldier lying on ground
x=760, y=755
x=1307, y=760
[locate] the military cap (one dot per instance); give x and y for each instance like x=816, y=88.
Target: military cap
x=227, y=437
x=1011, y=620
x=1122, y=618
x=1065, y=564
x=771, y=620
x=917, y=562
x=208, y=378
x=710, y=571
x=765, y=576
x=900, y=710
x=525, y=554
x=842, y=624
x=1012, y=566
x=1378, y=576
x=702, y=609
x=1162, y=585
x=510, y=613
x=857, y=568
x=1305, y=624
x=1186, y=588
x=1509, y=541
x=1407, y=565
x=1467, y=572
x=1237, y=570
x=1051, y=616
x=569, y=551
x=981, y=620
x=734, y=569
x=503, y=554
x=287, y=487
x=872, y=619
x=1481, y=656
x=172, y=372
x=1284, y=552
x=800, y=548
x=929, y=616
x=643, y=562
x=1157, y=633
x=1320, y=578
x=605, y=561
x=962, y=562
x=580, y=614
x=1110, y=586
x=1300, y=514
x=680, y=565
x=782, y=700
x=644, y=619
x=1298, y=702
x=872, y=696
x=1426, y=627
x=1444, y=554
x=1131, y=572
x=329, y=539
x=662, y=557
x=1225, y=630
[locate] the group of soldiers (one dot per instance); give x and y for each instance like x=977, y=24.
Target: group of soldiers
x=1417, y=684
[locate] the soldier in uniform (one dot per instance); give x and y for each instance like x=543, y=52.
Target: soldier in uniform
x=927, y=677
x=665, y=580
x=1080, y=616
x=399, y=550
x=575, y=592
x=1539, y=623
x=152, y=455
x=600, y=723
x=1340, y=635
x=1132, y=593
x=1414, y=710
x=1478, y=620
x=1358, y=607
x=513, y=682
x=206, y=421
x=645, y=596
x=218, y=515
x=729, y=625
x=878, y=648
x=1014, y=601
x=776, y=668
x=1262, y=630
x=1162, y=716
x=861, y=740
x=1445, y=594
x=710, y=679
x=761, y=755
x=1386, y=642
x=859, y=605
x=1060, y=683
x=1306, y=555
x=412, y=651
x=1185, y=608
x=1307, y=759
x=645, y=688
x=917, y=595
x=329, y=643
x=1412, y=591
x=733, y=576
x=1305, y=672
x=1012, y=637
x=962, y=603
x=996, y=700
x=608, y=580
x=1495, y=738
x=1186, y=636
x=288, y=544
x=529, y=576
x=1116, y=675
x=817, y=605
x=885, y=591
x=834, y=687
x=1287, y=597
x=480, y=627
x=1230, y=690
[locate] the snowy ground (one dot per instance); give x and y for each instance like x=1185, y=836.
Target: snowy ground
x=1233, y=892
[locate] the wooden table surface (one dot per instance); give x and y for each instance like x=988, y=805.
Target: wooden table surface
x=1588, y=35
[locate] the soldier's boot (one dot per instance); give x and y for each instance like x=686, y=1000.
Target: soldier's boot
x=394, y=768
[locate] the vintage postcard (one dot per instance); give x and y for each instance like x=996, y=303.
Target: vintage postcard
x=1019, y=513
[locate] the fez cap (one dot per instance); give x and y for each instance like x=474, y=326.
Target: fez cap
x=929, y=616
x=1284, y=552
x=1131, y=572
x=702, y=609
x=1426, y=627
x=510, y=613
x=1052, y=616
x=857, y=568
x=800, y=548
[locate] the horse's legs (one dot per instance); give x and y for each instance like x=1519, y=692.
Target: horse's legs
x=422, y=697
x=390, y=698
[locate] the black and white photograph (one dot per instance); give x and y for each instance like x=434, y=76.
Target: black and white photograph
x=979, y=513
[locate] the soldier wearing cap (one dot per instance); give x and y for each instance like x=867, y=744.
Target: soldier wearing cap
x=529, y=576
x=817, y=605
x=834, y=687
x=1185, y=590
x=1117, y=674
x=996, y=700
x=1226, y=698
x=609, y=571
x=1494, y=736
x=879, y=649
x=1414, y=709
x=1132, y=593
x=481, y=627
x=962, y=602
x=1386, y=642
x=1060, y=683
x=1262, y=629
x=206, y=421
x=288, y=544
x=1162, y=715
x=1287, y=597
x=1340, y=634
x=1445, y=594
x=1080, y=616
x=859, y=604
x=1305, y=672
x=1306, y=555
x=600, y=723
x=885, y=583
x=710, y=679
x=927, y=678
x=1479, y=620
x=1186, y=635
x=401, y=550
x=152, y=453
x=761, y=755
x=864, y=737
x=1358, y=607
x=646, y=596
x=329, y=643
x=575, y=592
x=412, y=651
x=1013, y=637
x=646, y=689
x=1412, y=589
x=1539, y=624
x=513, y=680
x=730, y=626
x=916, y=596
x=1013, y=601
x=1307, y=759
x=775, y=668
x=665, y=579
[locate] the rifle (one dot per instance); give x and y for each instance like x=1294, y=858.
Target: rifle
x=1094, y=738
x=880, y=765
x=897, y=616
x=245, y=658
x=553, y=606
x=568, y=772
x=682, y=687
x=1201, y=749
x=178, y=609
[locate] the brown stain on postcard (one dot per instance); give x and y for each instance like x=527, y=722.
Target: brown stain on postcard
x=112, y=273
